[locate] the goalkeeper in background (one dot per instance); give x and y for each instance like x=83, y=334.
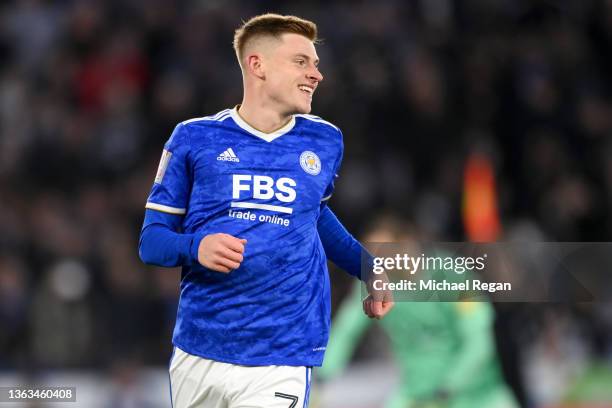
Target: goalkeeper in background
x=445, y=350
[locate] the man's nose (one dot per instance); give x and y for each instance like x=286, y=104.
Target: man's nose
x=316, y=75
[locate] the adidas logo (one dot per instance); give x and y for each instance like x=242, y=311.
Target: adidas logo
x=228, y=155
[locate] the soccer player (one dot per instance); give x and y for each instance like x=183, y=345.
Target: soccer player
x=445, y=351
x=239, y=201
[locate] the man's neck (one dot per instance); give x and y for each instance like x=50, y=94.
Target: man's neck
x=262, y=118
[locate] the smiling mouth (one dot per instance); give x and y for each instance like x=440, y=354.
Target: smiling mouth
x=306, y=89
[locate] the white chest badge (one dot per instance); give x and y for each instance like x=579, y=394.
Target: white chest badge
x=310, y=162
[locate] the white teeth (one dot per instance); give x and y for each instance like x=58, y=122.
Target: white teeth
x=305, y=89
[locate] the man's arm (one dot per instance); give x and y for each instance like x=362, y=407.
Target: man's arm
x=340, y=246
x=160, y=244
x=345, y=251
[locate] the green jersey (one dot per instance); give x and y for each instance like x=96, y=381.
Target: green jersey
x=445, y=352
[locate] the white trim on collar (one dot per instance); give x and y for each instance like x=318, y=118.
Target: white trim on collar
x=268, y=137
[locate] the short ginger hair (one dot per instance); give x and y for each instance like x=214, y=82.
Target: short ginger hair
x=272, y=25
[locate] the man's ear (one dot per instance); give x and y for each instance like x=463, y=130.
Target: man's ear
x=255, y=65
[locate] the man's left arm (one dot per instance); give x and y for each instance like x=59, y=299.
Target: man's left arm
x=346, y=252
x=340, y=246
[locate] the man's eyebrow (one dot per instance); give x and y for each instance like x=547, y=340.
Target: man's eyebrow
x=316, y=61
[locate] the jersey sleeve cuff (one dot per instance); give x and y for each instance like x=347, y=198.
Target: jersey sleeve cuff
x=195, y=247
x=165, y=208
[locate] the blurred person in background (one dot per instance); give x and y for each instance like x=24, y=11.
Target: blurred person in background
x=61, y=317
x=445, y=350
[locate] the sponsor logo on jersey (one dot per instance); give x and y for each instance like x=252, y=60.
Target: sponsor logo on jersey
x=257, y=189
x=228, y=155
x=310, y=162
x=263, y=188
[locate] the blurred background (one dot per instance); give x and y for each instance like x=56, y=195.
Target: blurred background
x=91, y=90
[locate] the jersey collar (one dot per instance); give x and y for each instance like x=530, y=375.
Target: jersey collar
x=268, y=137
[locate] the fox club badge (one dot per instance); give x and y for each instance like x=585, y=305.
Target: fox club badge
x=310, y=162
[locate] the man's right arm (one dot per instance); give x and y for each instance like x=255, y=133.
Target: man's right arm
x=160, y=244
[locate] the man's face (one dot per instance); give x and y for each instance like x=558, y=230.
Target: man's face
x=291, y=74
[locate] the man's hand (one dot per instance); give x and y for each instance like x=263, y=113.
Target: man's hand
x=377, y=309
x=221, y=252
x=379, y=302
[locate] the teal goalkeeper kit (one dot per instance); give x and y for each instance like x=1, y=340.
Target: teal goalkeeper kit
x=445, y=352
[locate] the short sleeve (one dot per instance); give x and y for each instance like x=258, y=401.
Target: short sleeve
x=329, y=190
x=170, y=192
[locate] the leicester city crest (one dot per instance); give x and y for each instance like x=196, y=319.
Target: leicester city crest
x=310, y=162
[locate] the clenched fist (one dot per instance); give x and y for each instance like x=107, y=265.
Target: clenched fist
x=221, y=252
x=378, y=302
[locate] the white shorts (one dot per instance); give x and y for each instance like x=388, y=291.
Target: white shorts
x=202, y=383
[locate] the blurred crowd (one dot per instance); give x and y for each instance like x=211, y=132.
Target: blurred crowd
x=90, y=91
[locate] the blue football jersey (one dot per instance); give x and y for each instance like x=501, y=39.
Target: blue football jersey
x=224, y=176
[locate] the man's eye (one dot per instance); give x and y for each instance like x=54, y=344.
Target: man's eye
x=301, y=62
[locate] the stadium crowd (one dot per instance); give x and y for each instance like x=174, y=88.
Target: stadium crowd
x=90, y=91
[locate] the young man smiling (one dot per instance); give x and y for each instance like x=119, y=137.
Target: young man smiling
x=239, y=201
